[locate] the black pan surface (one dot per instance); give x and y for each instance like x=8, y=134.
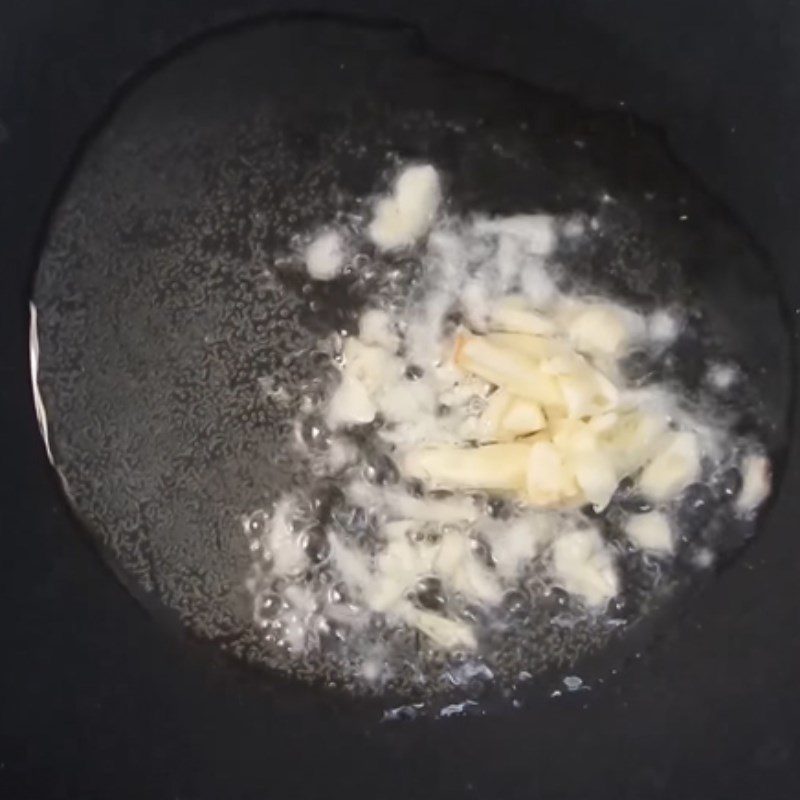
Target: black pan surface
x=94, y=676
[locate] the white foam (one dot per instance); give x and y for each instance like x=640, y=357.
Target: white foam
x=663, y=327
x=722, y=376
x=534, y=232
x=537, y=286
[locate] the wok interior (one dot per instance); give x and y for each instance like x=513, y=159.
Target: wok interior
x=160, y=305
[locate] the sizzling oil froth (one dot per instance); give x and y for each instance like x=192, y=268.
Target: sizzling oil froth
x=387, y=583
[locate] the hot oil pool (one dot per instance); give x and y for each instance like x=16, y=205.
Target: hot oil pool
x=184, y=351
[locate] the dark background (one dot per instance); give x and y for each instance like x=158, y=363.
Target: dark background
x=97, y=702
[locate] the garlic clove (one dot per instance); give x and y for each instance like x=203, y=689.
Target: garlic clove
x=634, y=440
x=673, y=469
x=756, y=483
x=489, y=424
x=350, y=404
x=650, y=531
x=521, y=417
x=596, y=477
x=493, y=467
x=573, y=436
x=601, y=329
x=584, y=567
x=511, y=370
x=408, y=213
x=535, y=347
x=445, y=632
x=513, y=316
x=549, y=479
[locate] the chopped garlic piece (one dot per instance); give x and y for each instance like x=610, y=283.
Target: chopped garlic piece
x=405, y=216
x=603, y=422
x=596, y=477
x=549, y=480
x=376, y=328
x=535, y=347
x=673, y=469
x=650, y=531
x=464, y=392
x=514, y=317
x=325, y=256
x=506, y=417
x=511, y=370
x=405, y=401
x=492, y=416
x=634, y=440
x=521, y=417
x=372, y=365
x=516, y=543
x=498, y=467
x=350, y=404
x=443, y=631
x=573, y=436
x=586, y=392
x=756, y=483
x=584, y=567
x=603, y=329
